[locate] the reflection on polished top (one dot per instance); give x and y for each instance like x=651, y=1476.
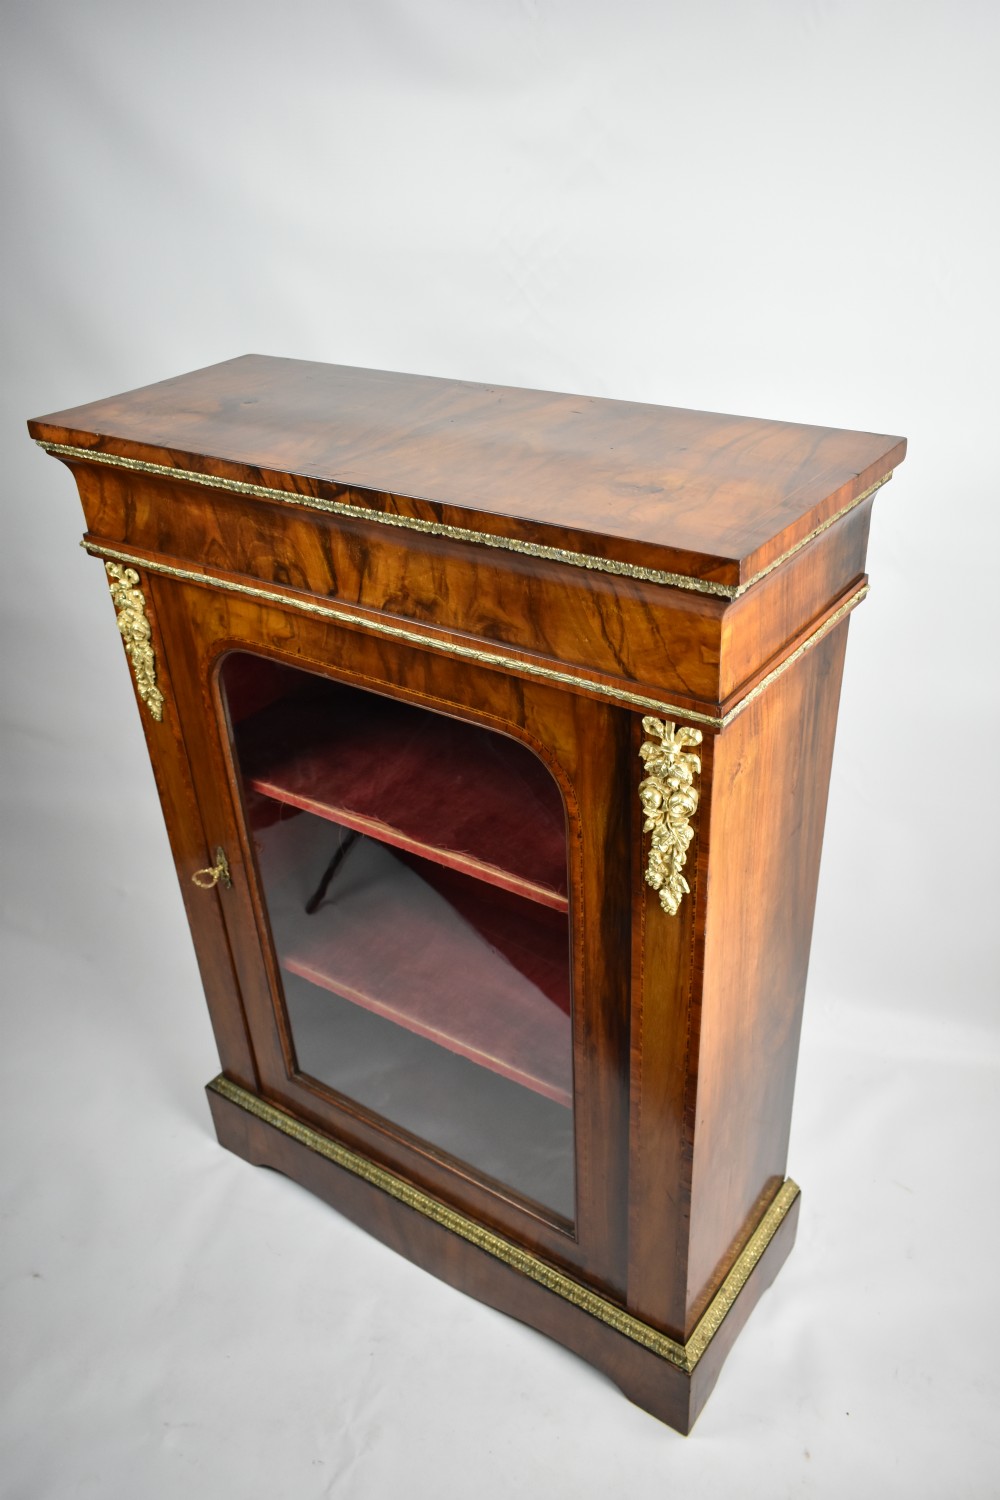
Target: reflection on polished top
x=699, y=494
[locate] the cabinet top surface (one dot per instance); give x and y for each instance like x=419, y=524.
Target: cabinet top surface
x=701, y=494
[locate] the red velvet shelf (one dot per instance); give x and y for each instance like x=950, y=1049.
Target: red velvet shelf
x=478, y=970
x=465, y=797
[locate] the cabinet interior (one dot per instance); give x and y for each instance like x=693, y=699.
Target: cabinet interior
x=413, y=866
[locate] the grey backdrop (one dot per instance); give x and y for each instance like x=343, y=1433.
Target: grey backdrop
x=780, y=209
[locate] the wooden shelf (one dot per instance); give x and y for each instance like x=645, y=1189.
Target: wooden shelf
x=465, y=797
x=511, y=1134
x=479, y=970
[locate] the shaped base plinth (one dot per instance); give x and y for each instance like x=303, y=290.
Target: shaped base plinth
x=672, y=1381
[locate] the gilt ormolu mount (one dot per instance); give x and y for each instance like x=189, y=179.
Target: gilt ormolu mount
x=493, y=731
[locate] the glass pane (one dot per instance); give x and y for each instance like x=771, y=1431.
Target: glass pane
x=414, y=870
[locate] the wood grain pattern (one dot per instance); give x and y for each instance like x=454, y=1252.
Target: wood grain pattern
x=694, y=492
x=770, y=778
x=613, y=628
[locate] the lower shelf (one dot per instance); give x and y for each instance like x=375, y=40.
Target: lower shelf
x=474, y=969
x=510, y=1136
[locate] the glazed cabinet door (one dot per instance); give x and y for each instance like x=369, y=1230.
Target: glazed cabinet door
x=427, y=907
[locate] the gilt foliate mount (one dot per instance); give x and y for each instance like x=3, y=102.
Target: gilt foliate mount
x=130, y=607
x=669, y=800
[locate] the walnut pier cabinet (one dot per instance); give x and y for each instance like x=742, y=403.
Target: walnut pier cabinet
x=493, y=732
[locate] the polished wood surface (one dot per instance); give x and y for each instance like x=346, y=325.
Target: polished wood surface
x=684, y=1029
x=719, y=995
x=620, y=634
x=770, y=777
x=693, y=492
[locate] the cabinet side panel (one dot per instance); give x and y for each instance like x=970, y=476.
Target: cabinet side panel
x=769, y=787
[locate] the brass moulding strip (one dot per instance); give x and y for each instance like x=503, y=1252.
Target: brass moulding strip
x=407, y=523
x=402, y=633
x=713, y=1316
x=684, y=1356
x=810, y=641
x=453, y=533
x=817, y=531
x=474, y=653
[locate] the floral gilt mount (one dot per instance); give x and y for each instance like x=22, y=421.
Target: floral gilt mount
x=669, y=800
x=130, y=607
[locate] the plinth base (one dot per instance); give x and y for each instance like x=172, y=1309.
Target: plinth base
x=670, y=1380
